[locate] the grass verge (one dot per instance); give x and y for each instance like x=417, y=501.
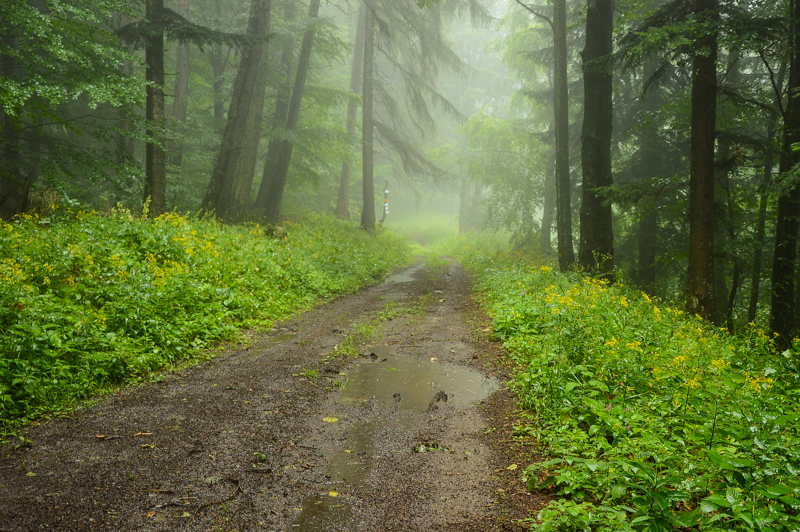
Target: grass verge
x=93, y=301
x=652, y=420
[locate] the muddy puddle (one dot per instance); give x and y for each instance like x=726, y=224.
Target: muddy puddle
x=407, y=276
x=401, y=389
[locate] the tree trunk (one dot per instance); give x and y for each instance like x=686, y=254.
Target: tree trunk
x=281, y=113
x=343, y=203
x=124, y=141
x=475, y=218
x=783, y=262
x=758, y=255
x=463, y=210
x=726, y=221
x=277, y=181
x=566, y=253
x=597, y=237
x=217, y=62
x=368, y=202
x=181, y=102
x=155, y=184
x=648, y=245
x=545, y=245
x=700, y=287
x=232, y=177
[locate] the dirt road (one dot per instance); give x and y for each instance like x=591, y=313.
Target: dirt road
x=282, y=434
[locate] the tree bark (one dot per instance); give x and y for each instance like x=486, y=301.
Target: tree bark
x=597, y=237
x=181, y=102
x=277, y=182
x=785, y=258
x=566, y=253
x=726, y=221
x=548, y=210
x=155, y=184
x=281, y=113
x=700, y=287
x=367, y=157
x=343, y=203
x=228, y=191
x=758, y=254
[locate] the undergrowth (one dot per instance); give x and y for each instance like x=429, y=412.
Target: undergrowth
x=652, y=420
x=91, y=301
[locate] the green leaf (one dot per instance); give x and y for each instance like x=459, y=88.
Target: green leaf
x=733, y=495
x=708, y=506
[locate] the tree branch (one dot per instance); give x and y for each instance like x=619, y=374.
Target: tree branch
x=778, y=90
x=529, y=8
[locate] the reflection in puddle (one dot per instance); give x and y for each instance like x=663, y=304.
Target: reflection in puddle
x=322, y=512
x=405, y=277
x=416, y=381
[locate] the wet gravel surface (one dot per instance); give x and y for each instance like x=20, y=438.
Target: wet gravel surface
x=280, y=434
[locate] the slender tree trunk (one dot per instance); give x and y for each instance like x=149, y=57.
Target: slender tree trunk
x=228, y=190
x=475, y=218
x=597, y=237
x=463, y=210
x=217, y=62
x=368, y=203
x=785, y=258
x=758, y=255
x=726, y=220
x=648, y=245
x=651, y=166
x=549, y=208
x=281, y=113
x=155, y=184
x=700, y=287
x=181, y=102
x=124, y=151
x=343, y=203
x=566, y=253
x=277, y=182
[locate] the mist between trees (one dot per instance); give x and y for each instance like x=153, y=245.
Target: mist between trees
x=649, y=140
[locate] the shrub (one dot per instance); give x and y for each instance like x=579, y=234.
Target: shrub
x=653, y=420
x=90, y=301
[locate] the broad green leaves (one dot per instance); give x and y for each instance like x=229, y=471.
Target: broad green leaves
x=656, y=421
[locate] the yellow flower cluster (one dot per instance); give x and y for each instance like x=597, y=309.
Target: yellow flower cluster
x=757, y=382
x=11, y=272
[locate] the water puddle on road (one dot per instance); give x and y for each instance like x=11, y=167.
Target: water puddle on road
x=402, y=387
x=405, y=277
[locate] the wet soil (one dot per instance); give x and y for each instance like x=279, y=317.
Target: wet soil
x=415, y=434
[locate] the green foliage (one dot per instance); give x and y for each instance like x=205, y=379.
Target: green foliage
x=60, y=53
x=502, y=154
x=653, y=420
x=93, y=301
x=176, y=28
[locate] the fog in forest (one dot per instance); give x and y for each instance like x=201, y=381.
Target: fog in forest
x=612, y=137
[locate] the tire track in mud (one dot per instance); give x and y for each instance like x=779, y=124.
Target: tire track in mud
x=248, y=441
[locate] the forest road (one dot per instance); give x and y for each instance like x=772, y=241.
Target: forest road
x=281, y=434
